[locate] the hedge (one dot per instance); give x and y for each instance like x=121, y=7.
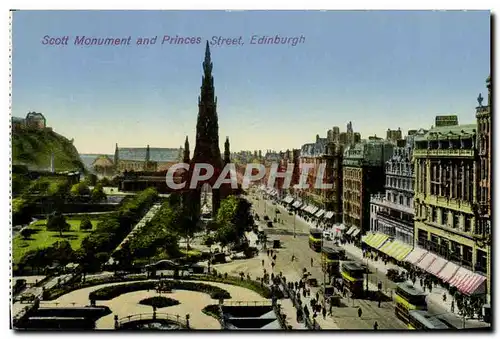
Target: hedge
x=159, y=302
x=255, y=286
x=110, y=292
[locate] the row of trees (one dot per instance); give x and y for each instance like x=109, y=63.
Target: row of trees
x=233, y=219
x=108, y=233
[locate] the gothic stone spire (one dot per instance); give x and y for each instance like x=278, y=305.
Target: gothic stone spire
x=227, y=153
x=186, y=151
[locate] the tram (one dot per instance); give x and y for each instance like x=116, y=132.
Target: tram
x=315, y=236
x=407, y=299
x=352, y=277
x=423, y=321
x=330, y=258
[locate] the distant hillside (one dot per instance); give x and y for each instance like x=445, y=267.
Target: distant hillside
x=33, y=148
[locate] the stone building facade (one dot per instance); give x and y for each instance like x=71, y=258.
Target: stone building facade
x=392, y=213
x=446, y=196
x=363, y=176
x=484, y=140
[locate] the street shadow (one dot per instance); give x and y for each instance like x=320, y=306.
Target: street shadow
x=376, y=296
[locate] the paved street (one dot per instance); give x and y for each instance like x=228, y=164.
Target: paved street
x=299, y=247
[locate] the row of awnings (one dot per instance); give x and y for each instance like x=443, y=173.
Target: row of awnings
x=353, y=231
x=316, y=211
x=464, y=280
x=396, y=249
x=375, y=240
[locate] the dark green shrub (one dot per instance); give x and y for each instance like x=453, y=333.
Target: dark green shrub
x=159, y=302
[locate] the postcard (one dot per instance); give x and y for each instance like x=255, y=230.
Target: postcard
x=251, y=170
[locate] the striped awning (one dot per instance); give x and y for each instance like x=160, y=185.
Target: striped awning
x=400, y=250
x=314, y=209
x=376, y=240
x=437, y=266
x=288, y=199
x=416, y=255
x=304, y=207
x=387, y=246
x=426, y=261
x=328, y=215
x=351, y=230
x=320, y=213
x=356, y=232
x=296, y=204
x=448, y=271
x=468, y=282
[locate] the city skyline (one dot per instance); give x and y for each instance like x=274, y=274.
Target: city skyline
x=421, y=63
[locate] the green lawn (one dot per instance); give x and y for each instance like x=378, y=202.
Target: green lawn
x=44, y=238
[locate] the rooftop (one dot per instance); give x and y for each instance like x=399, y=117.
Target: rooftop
x=445, y=132
x=155, y=154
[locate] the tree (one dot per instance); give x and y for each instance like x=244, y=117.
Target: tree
x=80, y=189
x=25, y=233
x=91, y=179
x=63, y=252
x=105, y=182
x=98, y=193
x=225, y=235
x=57, y=222
x=85, y=224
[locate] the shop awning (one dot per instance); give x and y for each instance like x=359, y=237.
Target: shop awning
x=377, y=240
x=448, y=271
x=437, y=266
x=387, y=246
x=400, y=250
x=468, y=282
x=328, y=215
x=288, y=199
x=304, y=207
x=367, y=237
x=426, y=261
x=351, y=230
x=416, y=255
x=356, y=232
x=297, y=204
x=320, y=213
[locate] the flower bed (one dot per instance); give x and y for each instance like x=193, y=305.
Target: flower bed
x=159, y=302
x=110, y=292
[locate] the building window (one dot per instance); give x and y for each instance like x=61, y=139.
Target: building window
x=434, y=215
x=445, y=217
x=467, y=223
x=444, y=248
x=455, y=253
x=467, y=256
x=456, y=220
x=422, y=238
x=434, y=244
x=481, y=262
x=401, y=200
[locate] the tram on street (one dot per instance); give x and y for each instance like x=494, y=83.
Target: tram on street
x=330, y=258
x=407, y=299
x=315, y=236
x=423, y=321
x=352, y=277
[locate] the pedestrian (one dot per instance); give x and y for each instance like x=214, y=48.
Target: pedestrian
x=262, y=262
x=379, y=302
x=375, y=326
x=317, y=295
x=311, y=262
x=430, y=288
x=267, y=252
x=360, y=312
x=452, y=306
x=273, y=264
x=293, y=257
x=330, y=308
x=274, y=257
x=324, y=312
x=304, y=294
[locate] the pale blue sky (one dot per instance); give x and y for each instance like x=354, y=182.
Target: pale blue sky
x=379, y=69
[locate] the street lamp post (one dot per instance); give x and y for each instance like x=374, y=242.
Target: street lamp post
x=294, y=218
